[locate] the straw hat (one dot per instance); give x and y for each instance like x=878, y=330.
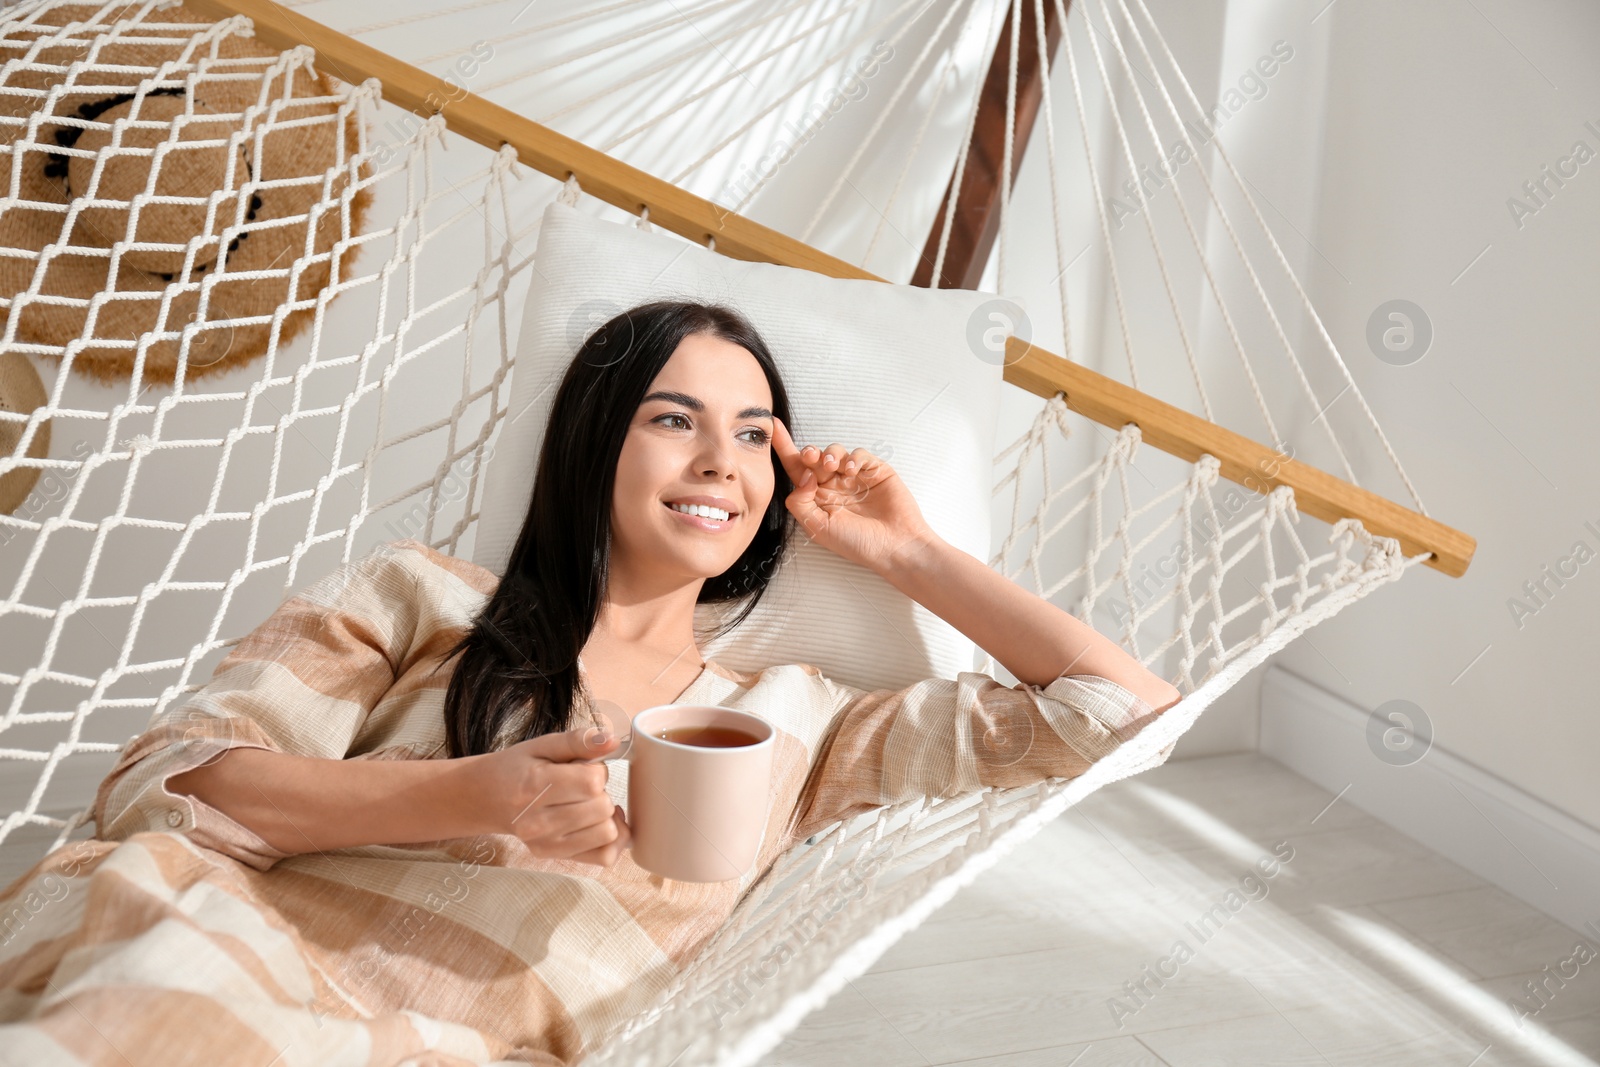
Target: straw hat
x=20, y=391
x=190, y=128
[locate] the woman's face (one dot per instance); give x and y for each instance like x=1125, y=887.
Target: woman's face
x=703, y=430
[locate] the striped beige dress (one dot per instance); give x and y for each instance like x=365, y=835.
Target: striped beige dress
x=178, y=936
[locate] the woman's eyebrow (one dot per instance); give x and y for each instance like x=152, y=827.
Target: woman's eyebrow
x=694, y=404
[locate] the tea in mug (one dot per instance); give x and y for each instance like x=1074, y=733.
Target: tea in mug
x=707, y=736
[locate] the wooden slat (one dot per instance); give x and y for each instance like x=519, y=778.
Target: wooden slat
x=1030, y=367
x=1176, y=431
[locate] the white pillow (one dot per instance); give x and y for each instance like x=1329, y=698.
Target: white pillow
x=885, y=367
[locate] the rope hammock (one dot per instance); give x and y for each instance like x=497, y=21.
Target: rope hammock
x=178, y=504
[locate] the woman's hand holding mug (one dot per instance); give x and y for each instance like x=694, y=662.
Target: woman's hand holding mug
x=542, y=791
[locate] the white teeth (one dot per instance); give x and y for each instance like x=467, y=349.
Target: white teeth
x=701, y=510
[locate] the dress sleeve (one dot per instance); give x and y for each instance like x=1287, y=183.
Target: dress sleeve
x=944, y=738
x=301, y=683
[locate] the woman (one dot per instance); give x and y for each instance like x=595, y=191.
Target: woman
x=375, y=831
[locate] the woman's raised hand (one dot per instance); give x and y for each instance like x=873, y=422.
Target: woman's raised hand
x=851, y=502
x=541, y=791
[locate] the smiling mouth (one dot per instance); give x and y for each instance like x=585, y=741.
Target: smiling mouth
x=703, y=521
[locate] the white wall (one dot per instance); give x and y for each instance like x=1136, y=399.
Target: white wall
x=1438, y=112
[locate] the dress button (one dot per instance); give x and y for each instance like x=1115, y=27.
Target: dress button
x=174, y=818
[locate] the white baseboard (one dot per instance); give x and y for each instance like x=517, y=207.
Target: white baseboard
x=1520, y=843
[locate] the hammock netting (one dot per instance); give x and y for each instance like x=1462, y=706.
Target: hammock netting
x=179, y=504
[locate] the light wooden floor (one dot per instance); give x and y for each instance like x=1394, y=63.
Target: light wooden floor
x=1364, y=948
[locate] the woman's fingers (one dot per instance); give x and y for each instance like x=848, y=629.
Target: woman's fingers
x=561, y=783
x=608, y=851
x=601, y=831
x=579, y=743
x=551, y=830
x=823, y=463
x=788, y=452
x=802, y=504
x=834, y=456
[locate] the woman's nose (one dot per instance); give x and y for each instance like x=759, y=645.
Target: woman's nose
x=714, y=462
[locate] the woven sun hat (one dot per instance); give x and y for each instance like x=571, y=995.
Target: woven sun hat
x=21, y=392
x=172, y=172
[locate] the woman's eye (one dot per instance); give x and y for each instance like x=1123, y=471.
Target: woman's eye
x=761, y=436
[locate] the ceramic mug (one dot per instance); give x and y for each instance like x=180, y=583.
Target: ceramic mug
x=697, y=812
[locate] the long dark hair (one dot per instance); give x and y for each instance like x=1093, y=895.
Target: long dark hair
x=518, y=674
